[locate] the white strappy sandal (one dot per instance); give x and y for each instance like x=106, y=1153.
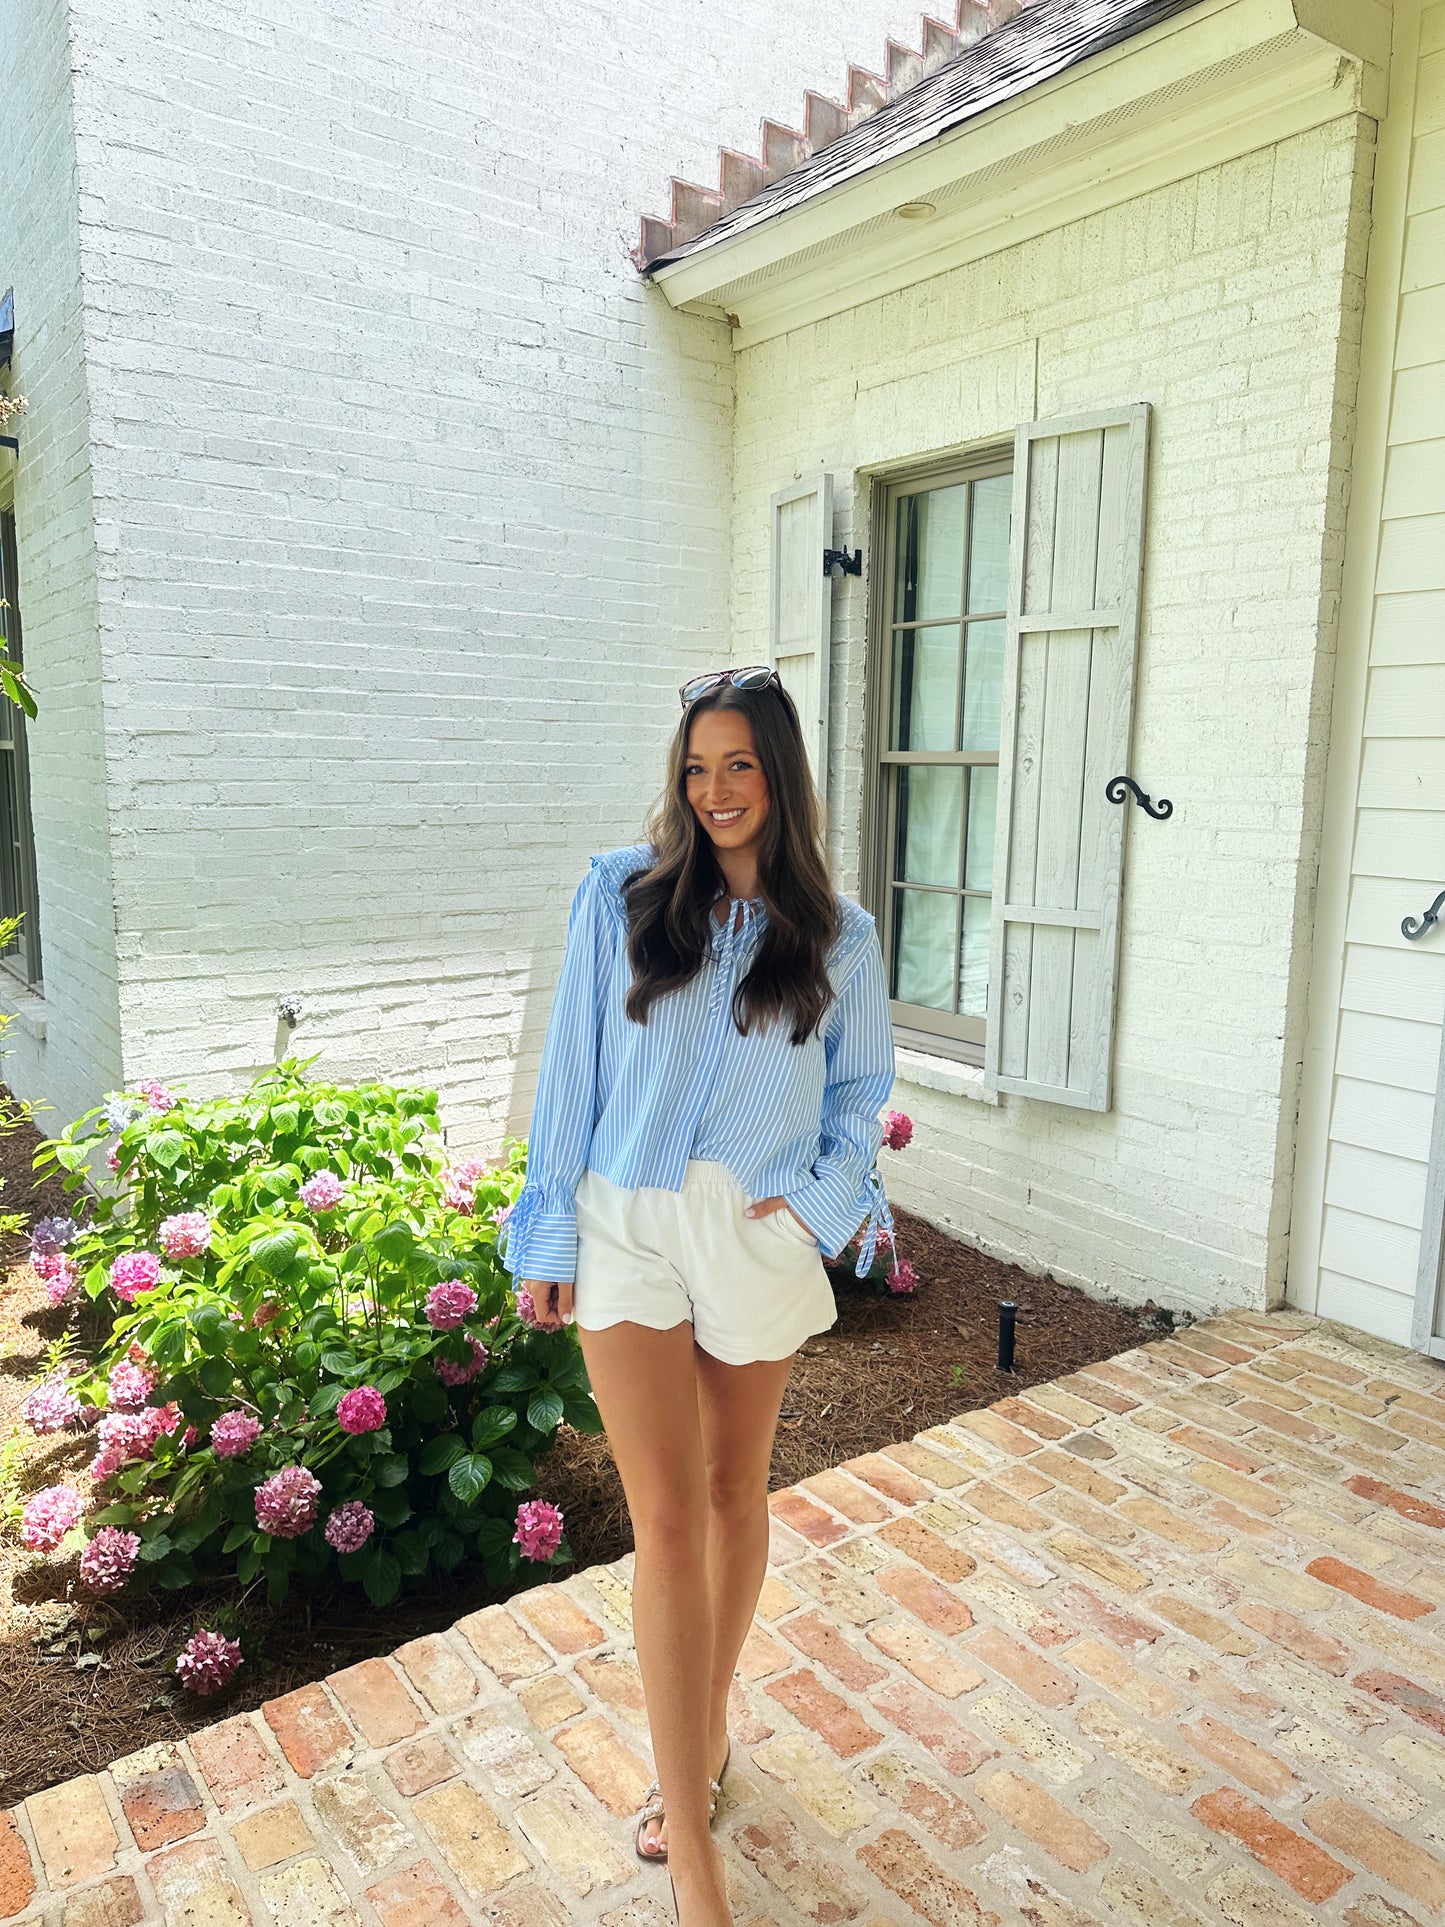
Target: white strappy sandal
x=652, y=1809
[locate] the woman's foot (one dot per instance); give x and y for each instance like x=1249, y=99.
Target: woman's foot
x=699, y=1884
x=650, y=1835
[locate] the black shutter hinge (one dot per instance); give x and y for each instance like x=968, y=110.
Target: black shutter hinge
x=841, y=561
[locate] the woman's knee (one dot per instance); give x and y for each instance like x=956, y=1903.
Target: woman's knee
x=671, y=1525
x=735, y=1496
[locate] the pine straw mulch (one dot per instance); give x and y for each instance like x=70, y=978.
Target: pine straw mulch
x=83, y=1681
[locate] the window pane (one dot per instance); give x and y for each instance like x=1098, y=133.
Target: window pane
x=973, y=958
x=982, y=796
x=982, y=684
x=988, y=543
x=930, y=826
x=923, y=926
x=925, y=688
x=930, y=554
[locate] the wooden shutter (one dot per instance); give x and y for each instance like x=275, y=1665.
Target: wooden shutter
x=803, y=608
x=1068, y=698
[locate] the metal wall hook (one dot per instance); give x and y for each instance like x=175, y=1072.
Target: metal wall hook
x=1411, y=929
x=1117, y=788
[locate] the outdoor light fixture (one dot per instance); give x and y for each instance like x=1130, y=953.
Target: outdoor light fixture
x=916, y=211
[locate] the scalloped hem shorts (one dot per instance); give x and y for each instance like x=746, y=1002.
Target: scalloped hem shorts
x=752, y=1288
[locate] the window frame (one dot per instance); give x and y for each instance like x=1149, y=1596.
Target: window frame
x=939, y=1033
x=23, y=959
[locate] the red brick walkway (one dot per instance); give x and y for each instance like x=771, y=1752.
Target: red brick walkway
x=1160, y=1644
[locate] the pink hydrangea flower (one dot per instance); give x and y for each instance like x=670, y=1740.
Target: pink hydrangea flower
x=350, y=1526
x=60, y=1289
x=49, y=1516
x=448, y=1303
x=109, y=1560
x=362, y=1410
x=501, y=1214
x=539, y=1529
x=134, y=1272
x=265, y=1314
x=187, y=1235
x=897, y=1130
x=286, y=1504
x=157, y=1097
x=52, y=1407
x=129, y=1386
x=58, y=1274
x=322, y=1192
x=459, y=1185
x=233, y=1434
x=450, y=1373
x=902, y=1278
x=207, y=1662
x=112, y=1157
x=123, y=1436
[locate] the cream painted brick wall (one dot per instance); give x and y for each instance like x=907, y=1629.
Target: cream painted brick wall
x=1231, y=302
x=40, y=256
x=411, y=502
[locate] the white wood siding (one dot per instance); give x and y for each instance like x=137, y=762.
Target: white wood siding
x=1387, y=1043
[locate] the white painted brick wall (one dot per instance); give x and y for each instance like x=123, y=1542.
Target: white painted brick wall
x=411, y=502
x=40, y=256
x=1230, y=301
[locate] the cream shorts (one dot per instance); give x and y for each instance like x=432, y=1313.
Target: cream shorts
x=753, y=1288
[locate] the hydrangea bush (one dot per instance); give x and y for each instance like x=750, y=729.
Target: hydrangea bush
x=315, y=1360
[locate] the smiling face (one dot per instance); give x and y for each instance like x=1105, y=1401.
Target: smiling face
x=725, y=785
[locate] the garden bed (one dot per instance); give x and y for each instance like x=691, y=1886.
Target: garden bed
x=84, y=1680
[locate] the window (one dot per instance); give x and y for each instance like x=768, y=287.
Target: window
x=937, y=682
x=17, y=847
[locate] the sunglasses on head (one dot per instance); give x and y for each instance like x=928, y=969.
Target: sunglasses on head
x=756, y=676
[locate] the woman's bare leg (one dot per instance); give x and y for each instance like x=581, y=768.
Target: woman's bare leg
x=739, y=1406
x=738, y=1411
x=646, y=1389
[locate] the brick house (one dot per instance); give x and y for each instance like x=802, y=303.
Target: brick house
x=379, y=485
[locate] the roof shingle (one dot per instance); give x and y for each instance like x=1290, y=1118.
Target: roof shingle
x=991, y=53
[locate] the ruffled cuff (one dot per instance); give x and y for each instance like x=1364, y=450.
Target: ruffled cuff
x=832, y=1207
x=539, y=1238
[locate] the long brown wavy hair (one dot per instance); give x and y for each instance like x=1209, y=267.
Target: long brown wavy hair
x=670, y=905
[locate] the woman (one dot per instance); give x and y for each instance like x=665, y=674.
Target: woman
x=706, y=1124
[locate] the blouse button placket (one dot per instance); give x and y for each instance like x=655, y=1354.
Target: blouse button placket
x=728, y=943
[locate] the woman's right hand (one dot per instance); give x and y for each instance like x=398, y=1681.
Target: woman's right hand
x=553, y=1302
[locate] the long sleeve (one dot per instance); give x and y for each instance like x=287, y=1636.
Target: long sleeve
x=858, y=1044
x=541, y=1233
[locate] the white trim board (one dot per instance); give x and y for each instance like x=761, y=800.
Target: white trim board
x=1426, y=1334
x=1352, y=663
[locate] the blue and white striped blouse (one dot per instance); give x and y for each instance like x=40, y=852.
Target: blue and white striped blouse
x=635, y=1102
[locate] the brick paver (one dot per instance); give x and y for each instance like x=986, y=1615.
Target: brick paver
x=1162, y=1644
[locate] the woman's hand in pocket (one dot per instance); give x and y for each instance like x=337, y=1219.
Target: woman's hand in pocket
x=765, y=1207
x=553, y=1302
